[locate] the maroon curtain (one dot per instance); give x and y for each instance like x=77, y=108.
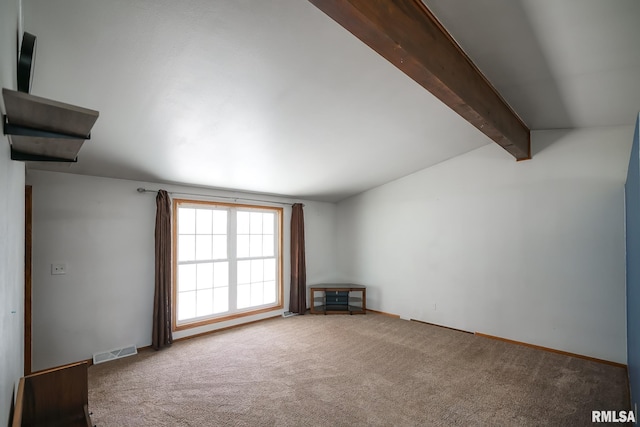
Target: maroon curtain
x=298, y=296
x=162, y=298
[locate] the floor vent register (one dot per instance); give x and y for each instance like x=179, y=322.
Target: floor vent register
x=114, y=354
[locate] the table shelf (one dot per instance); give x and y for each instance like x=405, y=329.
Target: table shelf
x=338, y=298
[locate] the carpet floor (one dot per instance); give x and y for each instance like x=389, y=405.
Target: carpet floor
x=370, y=370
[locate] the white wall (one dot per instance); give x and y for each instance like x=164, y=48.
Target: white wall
x=11, y=229
x=531, y=251
x=103, y=230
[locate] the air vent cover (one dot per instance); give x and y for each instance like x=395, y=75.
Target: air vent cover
x=116, y=353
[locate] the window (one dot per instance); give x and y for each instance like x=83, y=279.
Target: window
x=227, y=261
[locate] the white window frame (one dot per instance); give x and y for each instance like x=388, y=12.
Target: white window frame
x=233, y=312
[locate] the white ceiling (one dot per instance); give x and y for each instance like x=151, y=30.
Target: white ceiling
x=275, y=97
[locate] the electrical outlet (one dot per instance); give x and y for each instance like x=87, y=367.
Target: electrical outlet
x=58, y=269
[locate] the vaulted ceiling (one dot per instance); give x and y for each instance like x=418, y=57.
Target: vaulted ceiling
x=276, y=97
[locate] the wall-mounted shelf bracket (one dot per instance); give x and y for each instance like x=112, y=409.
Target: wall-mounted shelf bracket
x=18, y=130
x=43, y=130
x=26, y=157
x=11, y=129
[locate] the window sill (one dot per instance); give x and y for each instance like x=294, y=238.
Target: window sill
x=223, y=318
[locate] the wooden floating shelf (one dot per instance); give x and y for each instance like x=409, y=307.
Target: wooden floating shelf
x=41, y=129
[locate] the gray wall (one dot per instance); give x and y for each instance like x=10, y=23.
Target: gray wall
x=531, y=251
x=632, y=199
x=11, y=229
x=103, y=230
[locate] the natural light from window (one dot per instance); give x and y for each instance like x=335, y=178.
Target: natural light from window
x=227, y=260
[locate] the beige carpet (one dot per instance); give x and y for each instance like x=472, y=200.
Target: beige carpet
x=316, y=370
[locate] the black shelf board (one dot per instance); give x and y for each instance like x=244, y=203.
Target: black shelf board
x=332, y=308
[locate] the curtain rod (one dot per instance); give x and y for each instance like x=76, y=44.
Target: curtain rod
x=144, y=190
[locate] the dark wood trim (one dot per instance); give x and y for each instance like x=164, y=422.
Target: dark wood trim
x=223, y=329
x=553, y=350
x=383, y=313
x=174, y=264
x=441, y=326
x=231, y=316
x=28, y=233
x=58, y=368
x=227, y=204
x=281, y=257
x=409, y=36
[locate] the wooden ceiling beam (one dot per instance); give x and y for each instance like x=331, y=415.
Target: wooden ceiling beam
x=407, y=34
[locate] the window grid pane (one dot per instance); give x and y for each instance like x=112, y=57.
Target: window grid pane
x=186, y=247
x=203, y=247
x=204, y=218
x=203, y=279
x=186, y=305
x=220, y=274
x=186, y=277
x=255, y=234
x=269, y=292
x=255, y=245
x=220, y=300
x=187, y=221
x=219, y=246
